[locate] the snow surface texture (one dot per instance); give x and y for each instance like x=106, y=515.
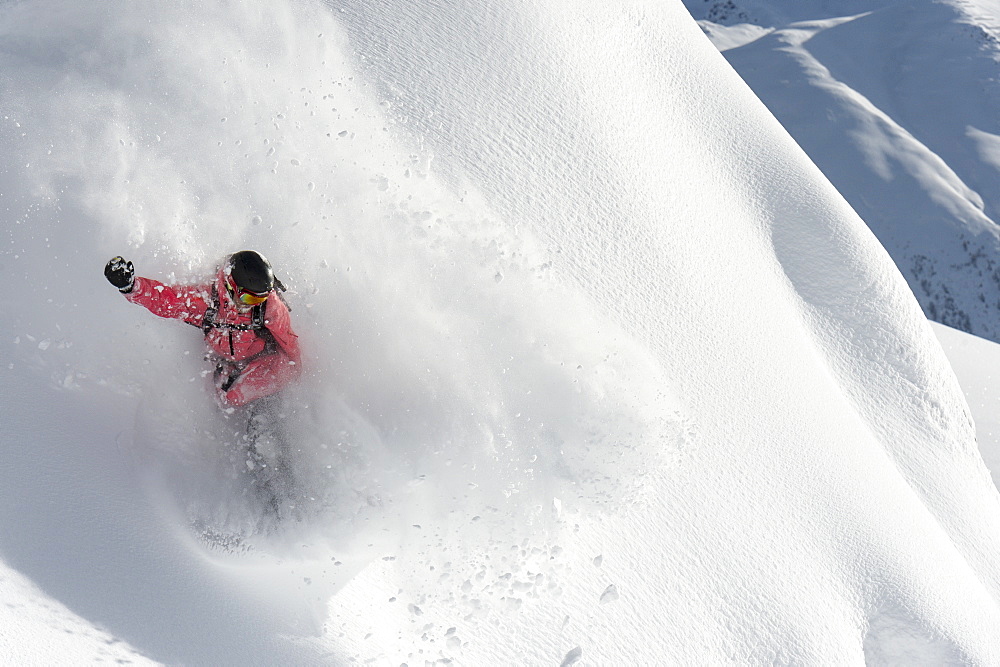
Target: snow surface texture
x=898, y=103
x=600, y=368
x=977, y=364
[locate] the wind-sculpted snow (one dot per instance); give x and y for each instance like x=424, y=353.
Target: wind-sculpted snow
x=599, y=368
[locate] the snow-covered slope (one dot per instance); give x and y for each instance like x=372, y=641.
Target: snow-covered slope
x=601, y=369
x=977, y=364
x=897, y=102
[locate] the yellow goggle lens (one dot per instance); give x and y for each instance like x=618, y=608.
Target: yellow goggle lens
x=252, y=299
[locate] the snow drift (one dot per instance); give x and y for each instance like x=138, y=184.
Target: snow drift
x=600, y=367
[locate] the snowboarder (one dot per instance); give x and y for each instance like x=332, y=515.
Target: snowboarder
x=250, y=342
x=245, y=322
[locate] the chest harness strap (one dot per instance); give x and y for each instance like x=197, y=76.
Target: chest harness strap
x=257, y=324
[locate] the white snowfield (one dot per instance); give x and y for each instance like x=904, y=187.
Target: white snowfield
x=600, y=368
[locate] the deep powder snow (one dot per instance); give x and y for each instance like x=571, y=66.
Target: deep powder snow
x=599, y=366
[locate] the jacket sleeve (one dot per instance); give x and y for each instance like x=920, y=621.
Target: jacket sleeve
x=187, y=303
x=279, y=323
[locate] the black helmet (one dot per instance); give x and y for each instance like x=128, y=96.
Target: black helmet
x=250, y=271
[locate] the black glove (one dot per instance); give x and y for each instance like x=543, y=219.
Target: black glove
x=121, y=274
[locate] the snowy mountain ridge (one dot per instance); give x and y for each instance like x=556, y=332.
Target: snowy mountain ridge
x=897, y=103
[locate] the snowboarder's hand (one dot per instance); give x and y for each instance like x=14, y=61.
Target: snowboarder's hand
x=121, y=274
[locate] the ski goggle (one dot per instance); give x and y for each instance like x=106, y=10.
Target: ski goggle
x=245, y=297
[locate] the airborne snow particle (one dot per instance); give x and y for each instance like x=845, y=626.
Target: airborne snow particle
x=572, y=657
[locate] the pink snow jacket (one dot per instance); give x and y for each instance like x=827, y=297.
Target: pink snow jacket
x=253, y=359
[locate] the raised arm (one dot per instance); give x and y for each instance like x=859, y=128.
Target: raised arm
x=187, y=303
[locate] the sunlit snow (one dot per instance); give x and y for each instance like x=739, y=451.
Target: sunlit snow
x=600, y=368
